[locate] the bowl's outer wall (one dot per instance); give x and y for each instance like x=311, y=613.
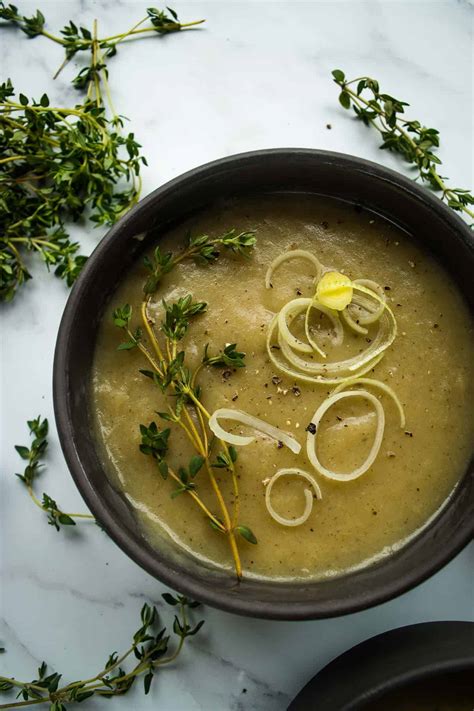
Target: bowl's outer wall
x=397, y=198
x=389, y=662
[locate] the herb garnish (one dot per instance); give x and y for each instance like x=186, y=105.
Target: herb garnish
x=203, y=248
x=412, y=140
x=230, y=356
x=169, y=372
x=33, y=455
x=149, y=646
x=59, y=163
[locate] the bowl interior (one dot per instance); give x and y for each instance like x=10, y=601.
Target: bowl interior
x=369, y=185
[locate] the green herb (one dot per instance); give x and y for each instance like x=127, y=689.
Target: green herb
x=202, y=248
x=33, y=455
x=178, y=315
x=225, y=459
x=58, y=163
x=416, y=143
x=149, y=646
x=76, y=39
x=228, y=357
x=169, y=372
x=246, y=533
x=154, y=442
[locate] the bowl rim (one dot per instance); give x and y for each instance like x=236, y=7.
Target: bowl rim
x=388, y=662
x=178, y=579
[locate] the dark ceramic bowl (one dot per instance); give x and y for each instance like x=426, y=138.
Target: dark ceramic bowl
x=422, y=657
x=408, y=205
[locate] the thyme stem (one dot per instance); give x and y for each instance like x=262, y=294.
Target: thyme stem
x=201, y=448
x=43, y=508
x=227, y=521
x=144, y=30
x=199, y=501
x=19, y=704
x=149, y=330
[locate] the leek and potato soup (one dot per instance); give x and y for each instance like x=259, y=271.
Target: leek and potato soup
x=284, y=387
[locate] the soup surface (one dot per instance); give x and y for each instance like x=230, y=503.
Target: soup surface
x=430, y=366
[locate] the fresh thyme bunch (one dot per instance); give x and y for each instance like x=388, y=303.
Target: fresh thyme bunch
x=412, y=140
x=167, y=369
x=56, y=163
x=149, y=647
x=33, y=456
x=59, y=163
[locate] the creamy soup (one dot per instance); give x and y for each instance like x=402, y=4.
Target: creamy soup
x=429, y=366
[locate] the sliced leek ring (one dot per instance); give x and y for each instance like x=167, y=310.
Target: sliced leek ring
x=371, y=316
x=287, y=314
x=254, y=422
x=322, y=378
x=379, y=344
x=293, y=254
x=345, y=315
x=333, y=316
x=291, y=310
x=373, y=382
x=335, y=292
x=311, y=440
x=307, y=493
x=357, y=320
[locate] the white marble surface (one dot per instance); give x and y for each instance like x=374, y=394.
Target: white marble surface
x=257, y=75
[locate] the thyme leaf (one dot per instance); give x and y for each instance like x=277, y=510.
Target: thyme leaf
x=247, y=534
x=226, y=458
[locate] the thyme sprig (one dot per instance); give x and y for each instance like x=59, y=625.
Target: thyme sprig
x=228, y=357
x=178, y=317
x=150, y=645
x=33, y=455
x=416, y=143
x=160, y=344
x=74, y=38
x=203, y=248
x=59, y=163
